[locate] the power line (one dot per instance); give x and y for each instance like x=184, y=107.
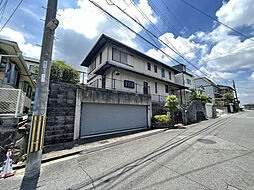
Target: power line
x=202, y=12
x=153, y=36
x=11, y=15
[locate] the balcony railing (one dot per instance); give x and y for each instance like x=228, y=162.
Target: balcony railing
x=158, y=98
x=13, y=101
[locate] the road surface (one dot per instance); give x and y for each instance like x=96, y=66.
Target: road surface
x=214, y=154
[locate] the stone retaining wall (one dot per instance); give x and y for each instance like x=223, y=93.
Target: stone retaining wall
x=60, y=113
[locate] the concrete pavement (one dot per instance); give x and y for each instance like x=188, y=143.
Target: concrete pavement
x=215, y=154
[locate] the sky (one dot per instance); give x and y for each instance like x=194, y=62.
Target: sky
x=219, y=52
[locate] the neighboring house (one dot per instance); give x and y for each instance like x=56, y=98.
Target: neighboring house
x=209, y=88
x=32, y=63
x=16, y=84
x=249, y=106
x=114, y=65
x=186, y=79
x=225, y=89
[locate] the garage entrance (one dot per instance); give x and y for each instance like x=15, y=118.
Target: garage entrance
x=101, y=119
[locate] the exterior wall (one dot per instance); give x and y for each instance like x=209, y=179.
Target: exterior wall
x=64, y=108
x=209, y=88
x=104, y=52
x=140, y=65
x=181, y=79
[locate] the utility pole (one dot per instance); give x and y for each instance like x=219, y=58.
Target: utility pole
x=38, y=122
x=235, y=90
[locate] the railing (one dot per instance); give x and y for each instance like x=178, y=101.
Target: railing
x=13, y=101
x=158, y=98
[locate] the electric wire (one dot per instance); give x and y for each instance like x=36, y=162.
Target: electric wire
x=216, y=20
x=11, y=15
x=157, y=38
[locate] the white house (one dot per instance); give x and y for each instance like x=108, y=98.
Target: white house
x=114, y=65
x=209, y=88
x=186, y=79
x=16, y=84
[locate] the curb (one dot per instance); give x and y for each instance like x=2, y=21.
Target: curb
x=90, y=150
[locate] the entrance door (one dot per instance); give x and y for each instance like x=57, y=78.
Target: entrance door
x=145, y=88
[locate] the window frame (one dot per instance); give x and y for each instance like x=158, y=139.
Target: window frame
x=166, y=88
x=123, y=56
x=155, y=87
x=162, y=72
x=149, y=66
x=129, y=84
x=188, y=81
x=170, y=75
x=155, y=69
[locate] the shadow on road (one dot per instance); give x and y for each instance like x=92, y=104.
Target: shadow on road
x=30, y=182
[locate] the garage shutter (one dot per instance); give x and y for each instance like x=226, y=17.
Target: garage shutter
x=106, y=118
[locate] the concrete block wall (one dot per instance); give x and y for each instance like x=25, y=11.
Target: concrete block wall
x=60, y=113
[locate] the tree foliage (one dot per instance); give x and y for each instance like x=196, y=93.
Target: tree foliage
x=228, y=97
x=195, y=96
x=172, y=104
x=61, y=72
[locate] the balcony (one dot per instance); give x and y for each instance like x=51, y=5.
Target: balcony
x=13, y=102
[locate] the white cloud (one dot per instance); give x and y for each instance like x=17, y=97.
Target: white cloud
x=251, y=76
x=80, y=27
x=86, y=19
x=237, y=13
x=28, y=49
x=178, y=45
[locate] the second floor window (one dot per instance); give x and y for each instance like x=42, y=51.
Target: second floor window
x=93, y=65
x=162, y=72
x=166, y=88
x=155, y=87
x=169, y=75
x=149, y=66
x=189, y=81
x=155, y=68
x=100, y=61
x=12, y=75
x=128, y=84
x=119, y=56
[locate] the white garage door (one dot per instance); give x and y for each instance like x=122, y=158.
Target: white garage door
x=107, y=118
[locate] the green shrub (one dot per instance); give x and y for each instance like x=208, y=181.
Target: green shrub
x=161, y=120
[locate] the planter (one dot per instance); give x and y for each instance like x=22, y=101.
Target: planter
x=159, y=126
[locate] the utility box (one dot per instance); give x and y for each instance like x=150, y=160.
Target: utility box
x=209, y=110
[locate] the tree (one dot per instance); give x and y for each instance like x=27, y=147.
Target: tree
x=204, y=98
x=61, y=72
x=194, y=95
x=228, y=97
x=172, y=104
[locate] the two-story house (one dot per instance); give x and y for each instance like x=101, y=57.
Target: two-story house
x=114, y=65
x=32, y=63
x=223, y=89
x=209, y=88
x=16, y=84
x=186, y=79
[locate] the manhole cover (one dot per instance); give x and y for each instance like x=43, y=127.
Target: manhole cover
x=206, y=141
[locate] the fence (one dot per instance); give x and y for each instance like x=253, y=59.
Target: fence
x=158, y=98
x=13, y=101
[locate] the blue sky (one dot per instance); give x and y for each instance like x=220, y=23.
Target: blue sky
x=216, y=50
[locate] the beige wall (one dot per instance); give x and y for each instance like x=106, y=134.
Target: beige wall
x=134, y=63
x=140, y=65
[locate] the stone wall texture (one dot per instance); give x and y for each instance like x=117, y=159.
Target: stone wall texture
x=60, y=113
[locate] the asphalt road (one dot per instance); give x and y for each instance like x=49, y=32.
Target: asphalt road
x=214, y=154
